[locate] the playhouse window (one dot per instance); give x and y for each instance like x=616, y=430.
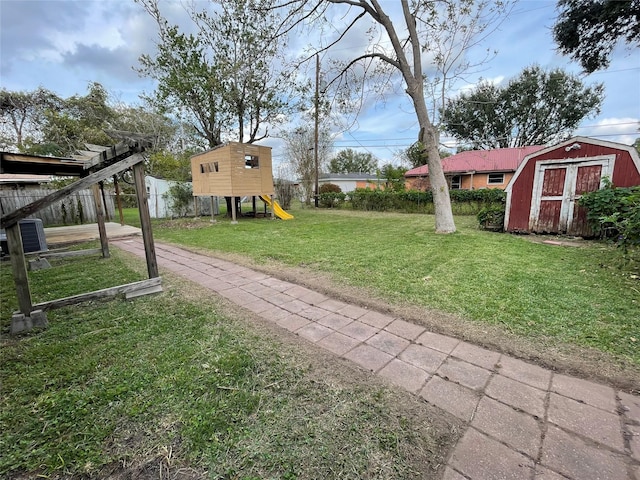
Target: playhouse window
x=495, y=178
x=251, y=161
x=208, y=167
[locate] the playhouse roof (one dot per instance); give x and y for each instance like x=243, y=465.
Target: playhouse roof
x=474, y=161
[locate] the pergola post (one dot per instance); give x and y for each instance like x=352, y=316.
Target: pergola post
x=145, y=220
x=118, y=199
x=102, y=228
x=19, y=268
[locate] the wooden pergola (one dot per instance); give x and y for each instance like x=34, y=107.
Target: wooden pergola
x=92, y=167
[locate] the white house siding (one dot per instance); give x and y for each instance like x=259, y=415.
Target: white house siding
x=348, y=182
x=160, y=206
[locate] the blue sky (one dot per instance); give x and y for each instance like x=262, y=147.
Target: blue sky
x=63, y=45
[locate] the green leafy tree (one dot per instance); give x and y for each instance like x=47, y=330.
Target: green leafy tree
x=351, y=161
x=222, y=76
x=535, y=108
x=22, y=115
x=588, y=30
x=76, y=121
x=167, y=133
x=170, y=166
x=414, y=155
x=393, y=177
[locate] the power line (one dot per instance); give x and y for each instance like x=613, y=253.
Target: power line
x=399, y=139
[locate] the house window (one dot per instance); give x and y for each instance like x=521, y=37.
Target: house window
x=456, y=182
x=251, y=161
x=495, y=178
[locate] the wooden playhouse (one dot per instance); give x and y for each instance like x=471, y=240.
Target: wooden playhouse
x=235, y=170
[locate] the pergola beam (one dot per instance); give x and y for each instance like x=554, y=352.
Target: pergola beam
x=14, y=217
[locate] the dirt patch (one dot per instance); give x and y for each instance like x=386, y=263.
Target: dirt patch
x=558, y=240
x=563, y=358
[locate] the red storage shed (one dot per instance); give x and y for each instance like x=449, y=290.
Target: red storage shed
x=541, y=196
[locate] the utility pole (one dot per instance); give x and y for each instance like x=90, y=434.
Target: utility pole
x=315, y=135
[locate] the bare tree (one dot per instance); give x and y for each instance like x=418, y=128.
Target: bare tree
x=425, y=43
x=299, y=150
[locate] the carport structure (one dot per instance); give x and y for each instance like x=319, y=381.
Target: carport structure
x=92, y=167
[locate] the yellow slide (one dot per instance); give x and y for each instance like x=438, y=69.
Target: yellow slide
x=277, y=209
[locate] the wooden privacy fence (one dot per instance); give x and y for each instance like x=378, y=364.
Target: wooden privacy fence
x=77, y=208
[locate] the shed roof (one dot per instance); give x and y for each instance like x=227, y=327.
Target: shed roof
x=635, y=157
x=474, y=161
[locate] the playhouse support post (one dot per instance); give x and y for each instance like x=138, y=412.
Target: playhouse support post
x=273, y=216
x=213, y=211
x=233, y=211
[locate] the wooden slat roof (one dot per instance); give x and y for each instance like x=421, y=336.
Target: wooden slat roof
x=78, y=165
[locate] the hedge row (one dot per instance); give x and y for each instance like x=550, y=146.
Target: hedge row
x=463, y=202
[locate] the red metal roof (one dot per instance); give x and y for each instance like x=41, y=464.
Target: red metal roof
x=498, y=160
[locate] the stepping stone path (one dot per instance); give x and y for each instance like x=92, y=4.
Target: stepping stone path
x=522, y=421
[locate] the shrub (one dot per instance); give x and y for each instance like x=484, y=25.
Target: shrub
x=329, y=188
x=331, y=199
x=492, y=218
x=463, y=202
x=285, y=191
x=181, y=196
x=614, y=212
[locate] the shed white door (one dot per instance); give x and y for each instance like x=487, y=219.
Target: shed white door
x=558, y=184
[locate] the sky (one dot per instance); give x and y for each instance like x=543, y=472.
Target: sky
x=63, y=45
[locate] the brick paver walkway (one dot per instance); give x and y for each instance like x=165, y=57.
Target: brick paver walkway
x=523, y=421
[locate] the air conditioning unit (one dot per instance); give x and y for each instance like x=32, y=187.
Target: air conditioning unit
x=33, y=238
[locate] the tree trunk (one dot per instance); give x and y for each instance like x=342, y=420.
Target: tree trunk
x=438, y=182
x=430, y=138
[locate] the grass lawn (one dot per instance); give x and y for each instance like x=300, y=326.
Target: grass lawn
x=559, y=295
x=181, y=383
